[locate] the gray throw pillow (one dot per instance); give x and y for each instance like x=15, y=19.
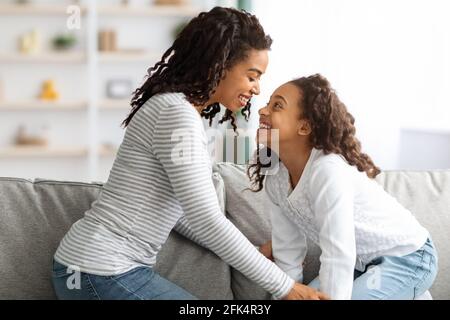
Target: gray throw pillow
x=246, y=210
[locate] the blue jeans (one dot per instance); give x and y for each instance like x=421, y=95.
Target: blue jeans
x=395, y=278
x=141, y=283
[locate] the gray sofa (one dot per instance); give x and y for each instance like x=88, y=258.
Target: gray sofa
x=35, y=214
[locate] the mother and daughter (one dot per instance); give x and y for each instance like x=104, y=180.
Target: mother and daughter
x=321, y=190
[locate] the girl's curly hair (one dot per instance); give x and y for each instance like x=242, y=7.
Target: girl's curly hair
x=332, y=128
x=210, y=44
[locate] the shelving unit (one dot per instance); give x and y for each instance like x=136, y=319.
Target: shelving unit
x=97, y=114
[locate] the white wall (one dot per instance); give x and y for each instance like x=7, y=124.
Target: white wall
x=388, y=60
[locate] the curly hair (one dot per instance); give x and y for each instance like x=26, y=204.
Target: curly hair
x=332, y=128
x=204, y=50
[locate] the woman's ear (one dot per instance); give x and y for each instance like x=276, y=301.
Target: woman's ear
x=304, y=128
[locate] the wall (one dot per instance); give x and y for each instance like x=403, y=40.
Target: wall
x=388, y=60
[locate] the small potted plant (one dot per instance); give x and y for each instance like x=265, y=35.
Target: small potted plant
x=64, y=41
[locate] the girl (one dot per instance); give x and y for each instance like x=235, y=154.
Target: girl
x=161, y=178
x=372, y=247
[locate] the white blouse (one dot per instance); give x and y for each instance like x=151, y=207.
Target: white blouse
x=348, y=215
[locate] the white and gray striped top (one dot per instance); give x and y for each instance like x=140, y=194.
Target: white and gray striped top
x=161, y=179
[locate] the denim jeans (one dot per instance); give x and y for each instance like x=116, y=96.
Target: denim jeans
x=141, y=283
x=395, y=278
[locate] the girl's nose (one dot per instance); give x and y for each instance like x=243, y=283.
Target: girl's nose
x=263, y=111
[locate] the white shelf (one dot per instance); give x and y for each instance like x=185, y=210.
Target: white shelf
x=119, y=104
x=48, y=57
x=45, y=151
x=153, y=10
x=114, y=10
x=107, y=151
x=37, y=105
x=128, y=56
x=38, y=151
x=35, y=9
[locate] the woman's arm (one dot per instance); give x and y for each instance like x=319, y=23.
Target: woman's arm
x=183, y=228
x=181, y=147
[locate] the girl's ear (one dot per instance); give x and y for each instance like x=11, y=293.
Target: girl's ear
x=304, y=128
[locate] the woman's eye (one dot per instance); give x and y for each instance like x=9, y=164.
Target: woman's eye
x=277, y=105
x=251, y=79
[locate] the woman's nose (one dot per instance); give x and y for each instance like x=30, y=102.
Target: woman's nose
x=255, y=89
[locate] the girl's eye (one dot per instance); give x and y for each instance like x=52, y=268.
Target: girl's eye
x=251, y=79
x=277, y=105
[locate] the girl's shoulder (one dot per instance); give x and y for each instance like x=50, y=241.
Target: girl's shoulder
x=326, y=167
x=330, y=161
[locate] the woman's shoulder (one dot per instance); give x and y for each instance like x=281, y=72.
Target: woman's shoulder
x=169, y=99
x=170, y=106
x=162, y=101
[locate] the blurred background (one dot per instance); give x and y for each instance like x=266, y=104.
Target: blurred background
x=68, y=68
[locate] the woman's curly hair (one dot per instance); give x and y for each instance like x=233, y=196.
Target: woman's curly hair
x=210, y=44
x=332, y=128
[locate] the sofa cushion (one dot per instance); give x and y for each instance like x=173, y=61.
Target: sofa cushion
x=35, y=215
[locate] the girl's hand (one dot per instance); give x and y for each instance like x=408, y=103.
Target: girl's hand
x=301, y=292
x=266, y=250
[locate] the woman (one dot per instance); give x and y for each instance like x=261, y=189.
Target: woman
x=161, y=178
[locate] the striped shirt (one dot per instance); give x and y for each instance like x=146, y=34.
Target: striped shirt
x=161, y=179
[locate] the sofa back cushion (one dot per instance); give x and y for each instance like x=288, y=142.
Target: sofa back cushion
x=34, y=217
x=427, y=195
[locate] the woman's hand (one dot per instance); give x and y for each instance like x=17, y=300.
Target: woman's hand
x=266, y=250
x=301, y=292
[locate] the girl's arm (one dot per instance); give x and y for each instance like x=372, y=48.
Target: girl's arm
x=289, y=245
x=331, y=191
x=180, y=145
